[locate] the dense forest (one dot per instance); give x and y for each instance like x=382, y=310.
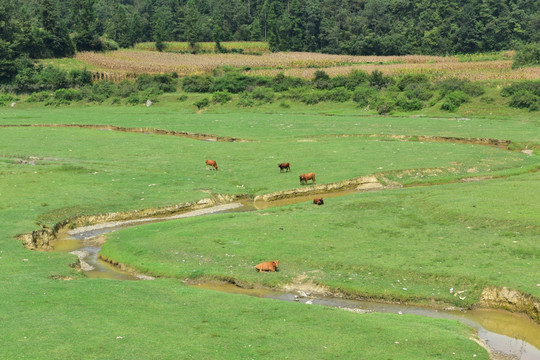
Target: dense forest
x=56, y=28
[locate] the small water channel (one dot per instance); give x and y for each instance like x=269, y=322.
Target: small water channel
x=512, y=335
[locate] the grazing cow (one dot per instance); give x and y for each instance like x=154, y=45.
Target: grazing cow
x=268, y=266
x=211, y=163
x=305, y=177
x=318, y=201
x=284, y=166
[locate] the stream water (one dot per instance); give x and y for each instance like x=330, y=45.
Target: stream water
x=504, y=332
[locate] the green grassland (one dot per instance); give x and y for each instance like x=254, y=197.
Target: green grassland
x=410, y=244
x=461, y=235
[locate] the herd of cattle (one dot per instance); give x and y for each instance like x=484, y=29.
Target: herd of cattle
x=273, y=265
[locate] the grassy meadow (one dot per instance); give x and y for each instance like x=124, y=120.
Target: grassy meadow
x=408, y=244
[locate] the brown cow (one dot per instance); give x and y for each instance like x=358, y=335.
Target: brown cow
x=268, y=266
x=211, y=163
x=318, y=201
x=305, y=177
x=284, y=166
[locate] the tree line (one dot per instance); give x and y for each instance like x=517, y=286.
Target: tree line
x=58, y=28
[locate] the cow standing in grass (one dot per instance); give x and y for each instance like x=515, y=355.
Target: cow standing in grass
x=284, y=166
x=212, y=164
x=305, y=177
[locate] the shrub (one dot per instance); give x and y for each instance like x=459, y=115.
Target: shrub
x=125, y=88
x=197, y=83
x=419, y=91
x=80, y=77
x=4, y=98
x=67, y=95
x=284, y=104
x=182, y=97
x=363, y=95
x=233, y=83
x=413, y=81
x=151, y=93
x=202, y=103
x=116, y=100
x=528, y=55
x=454, y=100
x=532, y=86
x=339, y=81
x=452, y=84
x=39, y=96
x=282, y=83
x=379, y=81
x=525, y=99
x=133, y=99
x=321, y=80
x=385, y=106
x=245, y=100
x=312, y=97
x=406, y=104
x=221, y=97
x=263, y=94
x=52, y=78
x=356, y=78
x=103, y=88
x=339, y=94
x=473, y=89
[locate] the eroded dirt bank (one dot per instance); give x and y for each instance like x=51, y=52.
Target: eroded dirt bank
x=511, y=300
x=42, y=239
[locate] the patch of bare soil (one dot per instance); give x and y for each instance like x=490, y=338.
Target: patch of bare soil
x=303, y=284
x=511, y=300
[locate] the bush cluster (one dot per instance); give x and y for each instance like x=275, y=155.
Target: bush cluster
x=524, y=95
x=528, y=55
x=410, y=92
x=62, y=88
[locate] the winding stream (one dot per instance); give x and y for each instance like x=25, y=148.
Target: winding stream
x=509, y=334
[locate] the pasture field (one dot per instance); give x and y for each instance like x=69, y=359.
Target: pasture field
x=430, y=238
x=407, y=245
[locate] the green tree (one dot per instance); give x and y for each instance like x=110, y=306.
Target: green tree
x=55, y=37
x=83, y=19
x=191, y=23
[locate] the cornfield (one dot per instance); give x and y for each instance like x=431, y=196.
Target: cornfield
x=304, y=65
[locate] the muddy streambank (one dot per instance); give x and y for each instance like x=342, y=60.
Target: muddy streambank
x=501, y=341
x=504, y=335
x=44, y=238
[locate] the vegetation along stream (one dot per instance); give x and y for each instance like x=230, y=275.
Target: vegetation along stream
x=508, y=335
